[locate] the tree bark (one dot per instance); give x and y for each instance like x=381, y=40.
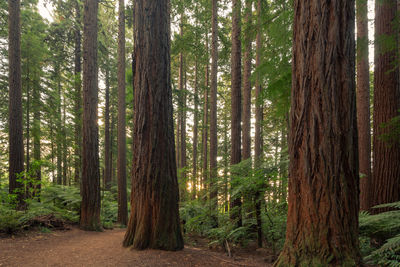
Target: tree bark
x=205, y=123
x=322, y=225
x=121, y=161
x=246, y=117
x=90, y=207
x=213, y=111
x=195, y=131
x=236, y=100
x=36, y=135
x=154, y=218
x=385, y=186
x=78, y=94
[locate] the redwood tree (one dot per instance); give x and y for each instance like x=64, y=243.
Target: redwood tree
x=363, y=104
x=154, y=219
x=16, y=146
x=121, y=161
x=385, y=187
x=236, y=96
x=90, y=188
x=322, y=223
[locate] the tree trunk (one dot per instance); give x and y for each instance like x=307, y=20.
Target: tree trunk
x=213, y=112
x=246, y=117
x=363, y=104
x=385, y=187
x=90, y=207
x=78, y=94
x=64, y=145
x=28, y=126
x=182, y=111
x=258, y=125
x=154, y=218
x=36, y=135
x=121, y=161
x=195, y=130
x=59, y=127
x=322, y=224
x=205, y=123
x=107, y=139
x=236, y=100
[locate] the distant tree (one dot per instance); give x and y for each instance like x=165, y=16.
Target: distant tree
x=121, y=161
x=16, y=146
x=90, y=189
x=363, y=103
x=154, y=219
x=322, y=223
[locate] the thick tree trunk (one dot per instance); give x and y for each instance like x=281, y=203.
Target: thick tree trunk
x=236, y=106
x=385, y=187
x=322, y=225
x=363, y=104
x=258, y=123
x=90, y=207
x=107, y=139
x=78, y=94
x=195, y=131
x=16, y=145
x=121, y=162
x=154, y=218
x=213, y=111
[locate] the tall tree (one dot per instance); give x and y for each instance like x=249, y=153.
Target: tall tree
x=363, y=103
x=16, y=146
x=78, y=91
x=246, y=112
x=236, y=100
x=154, y=218
x=195, y=129
x=205, y=119
x=90, y=189
x=107, y=138
x=322, y=224
x=386, y=170
x=121, y=161
x=213, y=108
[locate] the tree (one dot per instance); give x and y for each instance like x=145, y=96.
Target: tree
x=16, y=146
x=121, y=161
x=246, y=139
x=107, y=138
x=386, y=170
x=213, y=109
x=363, y=103
x=154, y=218
x=322, y=224
x=236, y=96
x=90, y=189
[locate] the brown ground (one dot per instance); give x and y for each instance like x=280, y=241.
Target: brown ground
x=79, y=248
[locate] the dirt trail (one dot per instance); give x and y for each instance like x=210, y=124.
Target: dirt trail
x=79, y=248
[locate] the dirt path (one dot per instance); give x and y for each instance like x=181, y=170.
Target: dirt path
x=79, y=248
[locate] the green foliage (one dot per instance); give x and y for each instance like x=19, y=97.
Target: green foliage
x=109, y=209
x=382, y=228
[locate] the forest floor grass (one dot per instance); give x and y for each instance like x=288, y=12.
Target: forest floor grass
x=79, y=248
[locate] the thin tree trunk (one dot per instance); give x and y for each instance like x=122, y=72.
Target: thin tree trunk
x=28, y=106
x=213, y=112
x=195, y=131
x=78, y=94
x=236, y=100
x=90, y=207
x=205, y=123
x=121, y=161
x=64, y=140
x=322, y=224
x=385, y=187
x=154, y=218
x=36, y=136
x=246, y=112
x=107, y=139
x=59, y=127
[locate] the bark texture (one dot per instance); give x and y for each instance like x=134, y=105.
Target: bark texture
x=205, y=122
x=107, y=137
x=195, y=131
x=154, y=218
x=213, y=109
x=385, y=187
x=121, y=161
x=363, y=104
x=90, y=189
x=322, y=225
x=16, y=146
x=236, y=103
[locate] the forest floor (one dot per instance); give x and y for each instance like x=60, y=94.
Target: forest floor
x=79, y=248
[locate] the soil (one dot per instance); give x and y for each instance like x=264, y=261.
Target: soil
x=79, y=248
